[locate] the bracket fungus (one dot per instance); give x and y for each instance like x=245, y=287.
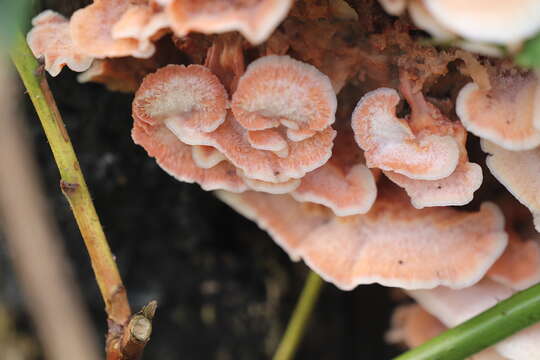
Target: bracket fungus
x=393, y=244
x=481, y=20
x=390, y=143
x=255, y=19
x=518, y=172
x=192, y=104
x=504, y=113
x=424, y=154
x=50, y=38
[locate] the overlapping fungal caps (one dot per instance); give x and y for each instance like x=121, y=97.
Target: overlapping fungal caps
x=189, y=106
x=425, y=153
x=518, y=268
x=393, y=244
x=121, y=28
x=50, y=38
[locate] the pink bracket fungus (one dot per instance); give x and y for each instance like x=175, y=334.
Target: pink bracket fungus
x=175, y=93
x=390, y=144
x=481, y=20
x=278, y=90
x=50, y=38
x=191, y=103
x=92, y=29
x=344, y=184
x=255, y=19
x=503, y=114
x=519, y=266
x=457, y=188
x=393, y=244
x=518, y=172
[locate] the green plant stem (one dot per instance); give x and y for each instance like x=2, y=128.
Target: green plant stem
x=72, y=182
x=297, y=324
x=491, y=326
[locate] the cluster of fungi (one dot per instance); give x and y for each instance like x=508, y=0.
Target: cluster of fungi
x=342, y=128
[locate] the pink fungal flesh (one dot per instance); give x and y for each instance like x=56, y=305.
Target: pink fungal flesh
x=390, y=144
x=504, y=114
x=50, y=38
x=255, y=19
x=280, y=90
x=394, y=244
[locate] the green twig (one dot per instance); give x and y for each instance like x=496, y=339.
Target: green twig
x=74, y=187
x=297, y=324
x=488, y=328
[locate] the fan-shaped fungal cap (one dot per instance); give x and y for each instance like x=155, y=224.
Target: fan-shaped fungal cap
x=390, y=144
x=518, y=172
x=280, y=90
x=91, y=31
x=255, y=19
x=481, y=19
x=454, y=190
x=519, y=265
x=394, y=244
x=191, y=95
x=453, y=307
x=503, y=114
x=175, y=158
x=346, y=193
x=344, y=184
x=50, y=39
x=303, y=156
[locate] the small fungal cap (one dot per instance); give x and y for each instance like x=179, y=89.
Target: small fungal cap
x=481, y=20
x=389, y=143
x=519, y=265
x=50, y=39
x=455, y=190
x=91, y=31
x=191, y=95
x=503, y=114
x=280, y=90
x=346, y=193
x=393, y=244
x=518, y=172
x=175, y=158
x=255, y=19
